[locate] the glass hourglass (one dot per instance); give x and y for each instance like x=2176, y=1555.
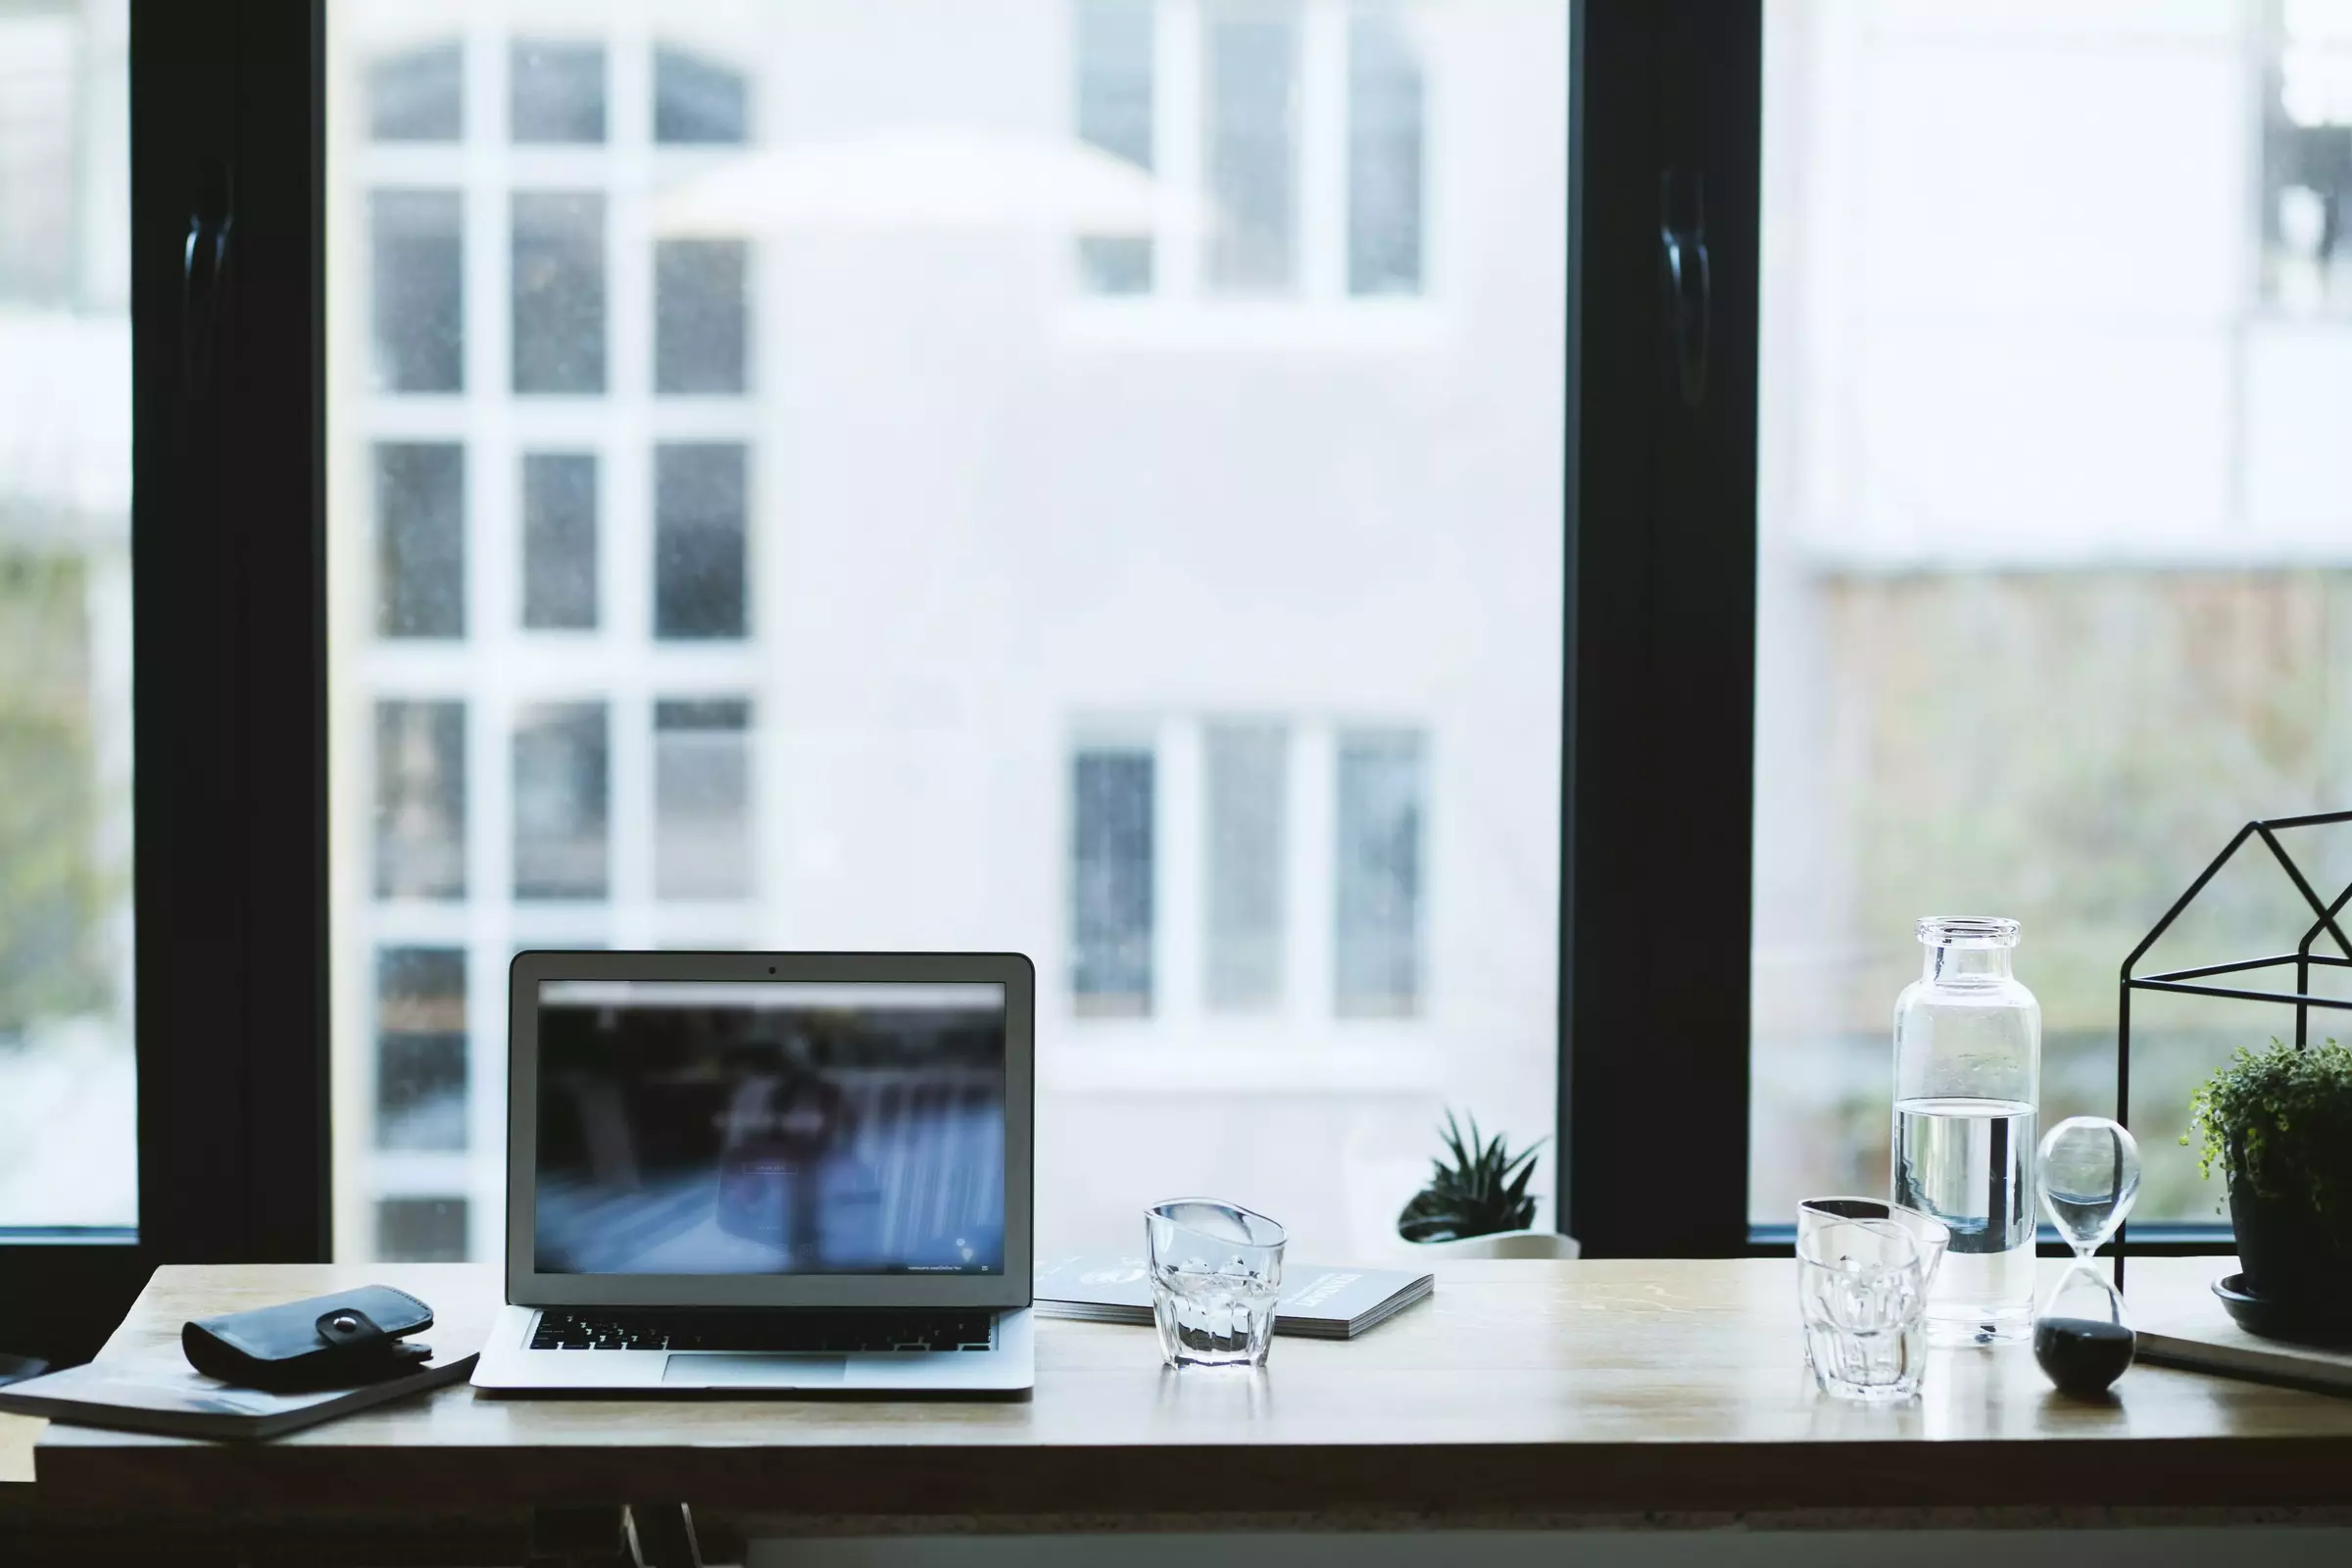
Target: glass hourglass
x=2090, y=1174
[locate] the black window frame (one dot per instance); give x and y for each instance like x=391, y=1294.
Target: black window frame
x=229, y=553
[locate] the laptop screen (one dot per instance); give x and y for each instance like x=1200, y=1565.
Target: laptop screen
x=741, y=1127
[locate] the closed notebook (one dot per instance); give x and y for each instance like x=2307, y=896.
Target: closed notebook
x=2207, y=1340
x=1317, y=1300
x=164, y=1394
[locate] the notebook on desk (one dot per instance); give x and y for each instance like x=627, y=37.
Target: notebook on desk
x=2205, y=1339
x=1317, y=1302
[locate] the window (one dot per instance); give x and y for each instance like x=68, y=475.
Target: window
x=561, y=782
x=1112, y=864
x=699, y=517
x=1378, y=889
x=1115, y=69
x=702, y=799
x=1248, y=784
x=702, y=326
x=2307, y=156
x=421, y=1230
x=2048, y=559
x=558, y=305
x=417, y=94
x=1385, y=137
x=421, y=1049
x=559, y=541
x=1249, y=111
x=697, y=101
x=420, y=541
x=555, y=92
x=829, y=584
x=418, y=290
x=419, y=800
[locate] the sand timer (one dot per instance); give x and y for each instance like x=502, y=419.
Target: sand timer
x=2090, y=1174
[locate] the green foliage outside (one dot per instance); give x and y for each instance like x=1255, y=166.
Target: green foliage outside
x=54, y=896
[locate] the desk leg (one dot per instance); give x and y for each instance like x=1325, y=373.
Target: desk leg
x=664, y=1534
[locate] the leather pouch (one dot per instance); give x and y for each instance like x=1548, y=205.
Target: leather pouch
x=327, y=1342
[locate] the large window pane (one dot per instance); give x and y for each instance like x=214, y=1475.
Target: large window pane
x=421, y=1049
x=68, y=1147
x=1251, y=119
x=556, y=91
x=558, y=310
x=2055, y=555
x=841, y=569
x=418, y=289
x=421, y=539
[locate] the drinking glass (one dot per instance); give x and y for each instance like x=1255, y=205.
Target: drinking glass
x=1862, y=1290
x=1216, y=1273
x=1933, y=1235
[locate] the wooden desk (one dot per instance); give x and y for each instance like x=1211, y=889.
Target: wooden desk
x=1522, y=1393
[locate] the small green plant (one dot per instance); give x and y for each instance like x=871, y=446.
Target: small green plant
x=2280, y=1121
x=1483, y=1190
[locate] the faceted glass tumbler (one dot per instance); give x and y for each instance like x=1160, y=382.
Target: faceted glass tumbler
x=1216, y=1273
x=1862, y=1292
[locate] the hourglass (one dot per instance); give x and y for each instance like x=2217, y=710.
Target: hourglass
x=2090, y=1174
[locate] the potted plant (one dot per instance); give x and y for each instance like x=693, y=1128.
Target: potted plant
x=2277, y=1124
x=1477, y=1203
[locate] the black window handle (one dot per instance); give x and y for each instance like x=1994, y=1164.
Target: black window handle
x=204, y=279
x=1684, y=279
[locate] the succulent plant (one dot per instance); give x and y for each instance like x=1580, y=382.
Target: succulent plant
x=1483, y=1190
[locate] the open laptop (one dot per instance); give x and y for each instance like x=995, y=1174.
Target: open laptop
x=768, y=1171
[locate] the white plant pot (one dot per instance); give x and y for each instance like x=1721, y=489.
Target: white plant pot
x=1501, y=1244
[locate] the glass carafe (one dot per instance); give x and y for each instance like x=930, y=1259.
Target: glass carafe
x=1967, y=1085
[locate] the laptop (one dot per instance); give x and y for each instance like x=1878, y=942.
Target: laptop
x=768, y=1171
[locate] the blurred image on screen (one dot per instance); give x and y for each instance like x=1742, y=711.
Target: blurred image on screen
x=688, y=1127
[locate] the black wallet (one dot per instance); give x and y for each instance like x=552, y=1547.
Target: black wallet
x=327, y=1342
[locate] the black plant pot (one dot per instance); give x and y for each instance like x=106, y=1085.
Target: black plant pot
x=2292, y=1255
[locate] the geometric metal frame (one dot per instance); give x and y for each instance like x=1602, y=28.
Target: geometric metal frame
x=2186, y=982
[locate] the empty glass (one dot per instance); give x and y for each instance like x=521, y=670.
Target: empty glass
x=1216, y=1273
x=1931, y=1233
x=1862, y=1290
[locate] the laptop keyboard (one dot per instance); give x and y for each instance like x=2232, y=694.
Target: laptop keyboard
x=719, y=1329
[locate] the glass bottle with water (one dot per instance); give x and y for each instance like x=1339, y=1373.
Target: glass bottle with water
x=1967, y=1082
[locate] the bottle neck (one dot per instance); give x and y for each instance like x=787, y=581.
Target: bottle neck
x=1963, y=965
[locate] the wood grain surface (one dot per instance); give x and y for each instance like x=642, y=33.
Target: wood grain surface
x=1621, y=1387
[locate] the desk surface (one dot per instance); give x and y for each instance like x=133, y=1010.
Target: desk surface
x=1519, y=1388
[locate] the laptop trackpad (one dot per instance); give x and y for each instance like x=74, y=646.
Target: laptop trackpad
x=756, y=1370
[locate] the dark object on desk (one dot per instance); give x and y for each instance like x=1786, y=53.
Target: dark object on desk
x=1317, y=1302
x=161, y=1396
x=327, y=1341
x=2273, y=1319
x=2219, y=1337
x=16, y=1368
x=2083, y=1355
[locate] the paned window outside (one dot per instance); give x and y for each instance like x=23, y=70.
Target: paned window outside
x=1378, y=890
x=702, y=799
x=421, y=1049
x=418, y=289
x=832, y=550
x=559, y=541
x=558, y=291
x=556, y=91
x=69, y=1155
x=2053, y=563
x=419, y=800
x=1251, y=126
x=421, y=539
x=699, y=504
x=1116, y=65
x=563, y=780
x=701, y=315
x=1247, y=787
x=1386, y=124
x=1112, y=859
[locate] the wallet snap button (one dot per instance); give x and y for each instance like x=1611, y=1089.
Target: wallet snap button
x=345, y=1323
